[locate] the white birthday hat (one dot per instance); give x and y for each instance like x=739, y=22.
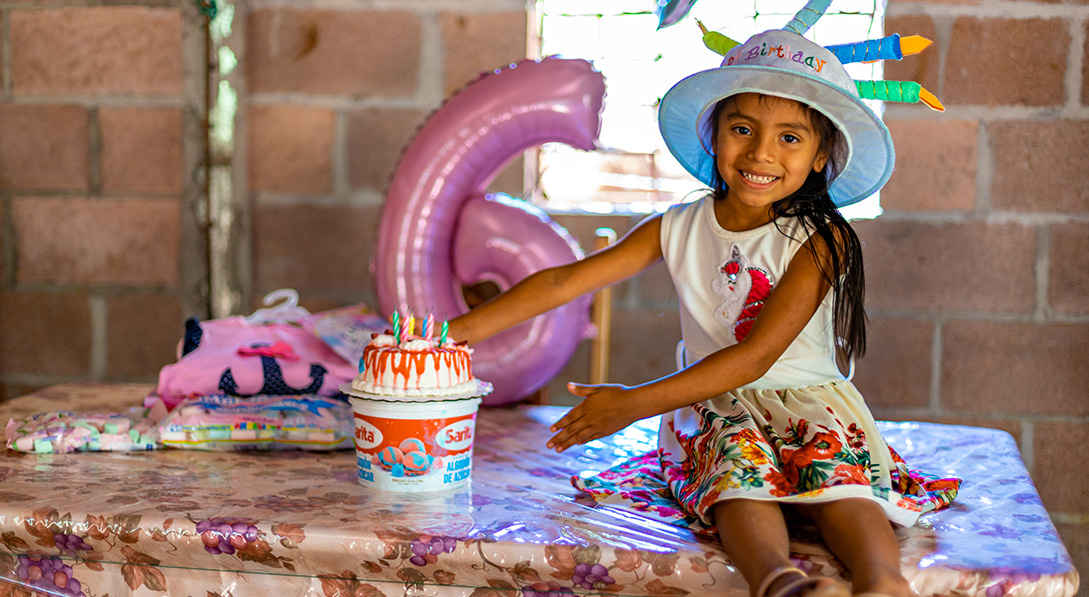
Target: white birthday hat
x=785, y=64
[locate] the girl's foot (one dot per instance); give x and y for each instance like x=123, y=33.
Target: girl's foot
x=789, y=581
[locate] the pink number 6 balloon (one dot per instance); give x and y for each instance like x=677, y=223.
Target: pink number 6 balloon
x=438, y=231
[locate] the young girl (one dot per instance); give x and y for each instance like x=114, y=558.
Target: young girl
x=770, y=283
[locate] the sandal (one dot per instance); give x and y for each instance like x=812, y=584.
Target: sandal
x=809, y=586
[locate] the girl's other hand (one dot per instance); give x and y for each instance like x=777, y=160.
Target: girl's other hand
x=605, y=409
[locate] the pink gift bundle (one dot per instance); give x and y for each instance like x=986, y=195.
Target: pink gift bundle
x=281, y=351
x=234, y=357
x=269, y=381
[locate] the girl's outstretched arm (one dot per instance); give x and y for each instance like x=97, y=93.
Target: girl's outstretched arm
x=608, y=408
x=550, y=288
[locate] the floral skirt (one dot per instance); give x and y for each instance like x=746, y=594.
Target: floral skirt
x=803, y=445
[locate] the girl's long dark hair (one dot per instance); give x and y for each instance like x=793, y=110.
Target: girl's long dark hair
x=813, y=206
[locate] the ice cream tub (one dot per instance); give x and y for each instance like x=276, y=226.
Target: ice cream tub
x=414, y=446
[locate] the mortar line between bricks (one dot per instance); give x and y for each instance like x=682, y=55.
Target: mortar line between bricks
x=99, y=342
x=1074, y=63
x=417, y=6
x=99, y=101
x=432, y=71
x=7, y=246
x=936, y=365
x=1058, y=111
x=991, y=217
x=992, y=416
x=907, y=314
x=990, y=10
x=5, y=55
x=943, y=32
x=1028, y=435
x=984, y=170
x=1041, y=268
x=1068, y=518
x=94, y=151
x=341, y=169
x=422, y=101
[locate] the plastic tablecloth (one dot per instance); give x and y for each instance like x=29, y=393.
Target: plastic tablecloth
x=181, y=522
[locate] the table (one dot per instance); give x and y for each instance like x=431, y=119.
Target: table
x=144, y=523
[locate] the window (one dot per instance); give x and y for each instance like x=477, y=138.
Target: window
x=633, y=172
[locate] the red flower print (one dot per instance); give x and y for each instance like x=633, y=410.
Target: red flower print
x=781, y=486
x=856, y=437
x=822, y=446
x=849, y=474
x=793, y=461
x=796, y=432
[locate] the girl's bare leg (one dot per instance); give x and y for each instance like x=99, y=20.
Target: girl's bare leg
x=754, y=535
x=860, y=535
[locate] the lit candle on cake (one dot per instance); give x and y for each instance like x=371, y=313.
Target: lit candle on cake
x=429, y=327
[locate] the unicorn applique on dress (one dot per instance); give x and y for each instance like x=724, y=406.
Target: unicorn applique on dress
x=744, y=287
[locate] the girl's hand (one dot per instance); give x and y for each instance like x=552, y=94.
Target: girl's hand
x=605, y=409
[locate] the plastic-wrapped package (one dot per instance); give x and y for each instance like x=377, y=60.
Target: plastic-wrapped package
x=60, y=431
x=273, y=422
x=346, y=330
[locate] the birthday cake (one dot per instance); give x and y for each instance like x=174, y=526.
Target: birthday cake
x=415, y=367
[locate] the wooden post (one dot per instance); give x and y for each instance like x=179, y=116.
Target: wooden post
x=601, y=315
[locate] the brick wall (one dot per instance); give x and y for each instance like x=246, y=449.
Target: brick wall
x=100, y=142
x=328, y=113
x=977, y=269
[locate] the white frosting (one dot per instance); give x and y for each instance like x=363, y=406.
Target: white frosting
x=384, y=340
x=417, y=345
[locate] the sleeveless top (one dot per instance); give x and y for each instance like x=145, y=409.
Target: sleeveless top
x=722, y=279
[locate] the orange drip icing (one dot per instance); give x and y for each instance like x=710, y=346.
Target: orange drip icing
x=379, y=360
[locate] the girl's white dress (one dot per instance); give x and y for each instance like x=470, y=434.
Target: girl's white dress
x=801, y=433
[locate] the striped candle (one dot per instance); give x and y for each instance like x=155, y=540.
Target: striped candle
x=429, y=327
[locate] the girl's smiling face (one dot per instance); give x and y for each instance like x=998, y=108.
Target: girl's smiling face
x=765, y=148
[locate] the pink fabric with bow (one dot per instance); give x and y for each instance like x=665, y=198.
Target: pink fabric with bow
x=232, y=344
x=279, y=350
